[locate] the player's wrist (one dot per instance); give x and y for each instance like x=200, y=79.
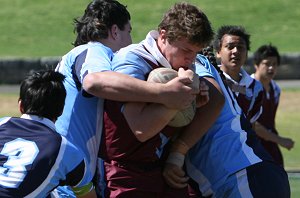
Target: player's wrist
x=161, y=92
x=179, y=146
x=176, y=158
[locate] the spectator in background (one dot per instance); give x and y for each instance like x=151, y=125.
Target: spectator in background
x=266, y=60
x=103, y=29
x=34, y=158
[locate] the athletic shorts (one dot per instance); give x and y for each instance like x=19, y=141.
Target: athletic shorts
x=261, y=180
x=132, y=181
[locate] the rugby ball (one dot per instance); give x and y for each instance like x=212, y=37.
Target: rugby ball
x=164, y=75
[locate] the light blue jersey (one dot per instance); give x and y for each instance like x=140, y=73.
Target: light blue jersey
x=82, y=118
x=226, y=148
x=137, y=60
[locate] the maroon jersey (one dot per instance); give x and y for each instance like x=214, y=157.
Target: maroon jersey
x=267, y=119
x=120, y=143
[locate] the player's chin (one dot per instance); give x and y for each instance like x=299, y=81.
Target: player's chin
x=271, y=75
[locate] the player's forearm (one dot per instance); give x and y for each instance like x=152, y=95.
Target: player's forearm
x=204, y=118
x=265, y=134
x=121, y=87
x=147, y=120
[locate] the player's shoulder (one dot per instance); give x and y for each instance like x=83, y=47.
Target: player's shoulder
x=4, y=120
x=276, y=87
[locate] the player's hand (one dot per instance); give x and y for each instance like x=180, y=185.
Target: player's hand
x=286, y=143
x=175, y=176
x=194, y=79
x=203, y=96
x=177, y=94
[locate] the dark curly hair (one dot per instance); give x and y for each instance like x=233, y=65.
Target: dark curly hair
x=184, y=20
x=230, y=30
x=98, y=18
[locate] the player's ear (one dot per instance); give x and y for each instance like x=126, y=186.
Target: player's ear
x=20, y=106
x=163, y=36
x=114, y=30
x=218, y=55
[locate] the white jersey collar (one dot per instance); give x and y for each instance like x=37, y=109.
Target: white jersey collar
x=151, y=45
x=246, y=80
x=42, y=120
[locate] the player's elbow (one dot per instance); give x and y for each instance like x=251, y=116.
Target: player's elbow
x=91, y=83
x=141, y=137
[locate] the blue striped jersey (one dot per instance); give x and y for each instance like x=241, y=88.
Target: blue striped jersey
x=34, y=158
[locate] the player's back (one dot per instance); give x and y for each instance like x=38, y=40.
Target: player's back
x=33, y=158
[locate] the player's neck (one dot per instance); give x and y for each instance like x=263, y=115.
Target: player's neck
x=264, y=81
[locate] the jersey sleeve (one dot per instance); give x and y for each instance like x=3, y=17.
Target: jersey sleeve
x=4, y=120
x=203, y=66
x=73, y=165
x=128, y=62
x=95, y=60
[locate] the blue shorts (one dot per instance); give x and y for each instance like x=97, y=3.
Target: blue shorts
x=261, y=180
x=264, y=179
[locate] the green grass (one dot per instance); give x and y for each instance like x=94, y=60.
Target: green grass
x=288, y=125
x=36, y=28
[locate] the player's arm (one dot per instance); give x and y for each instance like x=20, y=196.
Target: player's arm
x=75, y=176
x=175, y=94
x=204, y=118
x=267, y=135
x=148, y=119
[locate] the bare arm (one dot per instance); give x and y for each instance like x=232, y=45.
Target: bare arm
x=147, y=119
x=265, y=134
x=205, y=117
x=175, y=94
x=203, y=120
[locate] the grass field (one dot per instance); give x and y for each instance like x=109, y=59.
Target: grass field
x=287, y=121
x=35, y=28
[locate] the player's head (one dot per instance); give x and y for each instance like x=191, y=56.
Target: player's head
x=266, y=60
x=42, y=93
x=231, y=44
x=102, y=18
x=183, y=32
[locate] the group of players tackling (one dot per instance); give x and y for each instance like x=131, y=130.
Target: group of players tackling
x=95, y=127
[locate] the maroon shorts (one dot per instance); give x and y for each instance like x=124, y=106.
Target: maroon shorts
x=127, y=181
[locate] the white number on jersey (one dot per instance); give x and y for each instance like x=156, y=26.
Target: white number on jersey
x=20, y=153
